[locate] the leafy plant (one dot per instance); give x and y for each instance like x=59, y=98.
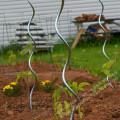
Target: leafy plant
x=12, y=57
x=12, y=90
x=107, y=66
x=27, y=50
x=47, y=85
x=58, y=105
x=25, y=74
x=102, y=83
x=94, y=74
x=26, y=77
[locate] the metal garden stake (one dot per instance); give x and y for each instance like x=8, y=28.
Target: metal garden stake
x=69, y=57
x=28, y=29
x=106, y=38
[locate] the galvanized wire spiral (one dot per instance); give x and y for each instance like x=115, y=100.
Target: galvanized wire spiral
x=28, y=29
x=69, y=57
x=106, y=38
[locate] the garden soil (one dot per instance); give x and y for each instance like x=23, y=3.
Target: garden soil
x=102, y=105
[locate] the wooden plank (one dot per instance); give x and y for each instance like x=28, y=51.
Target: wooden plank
x=78, y=36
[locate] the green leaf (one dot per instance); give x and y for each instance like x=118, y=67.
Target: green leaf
x=29, y=73
x=23, y=52
x=56, y=95
x=28, y=49
x=55, y=117
x=103, y=82
x=84, y=84
x=63, y=89
x=74, y=87
x=81, y=85
x=100, y=88
x=67, y=107
x=108, y=65
x=74, y=84
x=60, y=110
x=81, y=89
x=69, y=93
x=80, y=113
x=94, y=90
x=55, y=106
x=106, y=72
x=18, y=77
x=69, y=82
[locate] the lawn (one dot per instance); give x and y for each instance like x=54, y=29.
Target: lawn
x=84, y=57
x=90, y=58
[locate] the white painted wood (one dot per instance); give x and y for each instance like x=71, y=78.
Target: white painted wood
x=14, y=12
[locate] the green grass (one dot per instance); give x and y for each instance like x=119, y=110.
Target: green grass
x=90, y=58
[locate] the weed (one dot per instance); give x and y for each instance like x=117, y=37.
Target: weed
x=12, y=57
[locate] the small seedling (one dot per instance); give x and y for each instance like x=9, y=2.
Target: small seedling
x=103, y=83
x=107, y=66
x=27, y=78
x=27, y=50
x=12, y=57
x=58, y=105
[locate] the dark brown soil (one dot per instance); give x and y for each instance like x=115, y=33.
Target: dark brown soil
x=104, y=105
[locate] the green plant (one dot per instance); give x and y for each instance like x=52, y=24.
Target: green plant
x=13, y=47
x=12, y=57
x=47, y=85
x=58, y=105
x=106, y=70
x=93, y=74
x=26, y=77
x=27, y=50
x=12, y=90
x=107, y=66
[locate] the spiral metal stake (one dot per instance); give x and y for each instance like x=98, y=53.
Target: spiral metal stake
x=69, y=56
x=106, y=38
x=28, y=29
